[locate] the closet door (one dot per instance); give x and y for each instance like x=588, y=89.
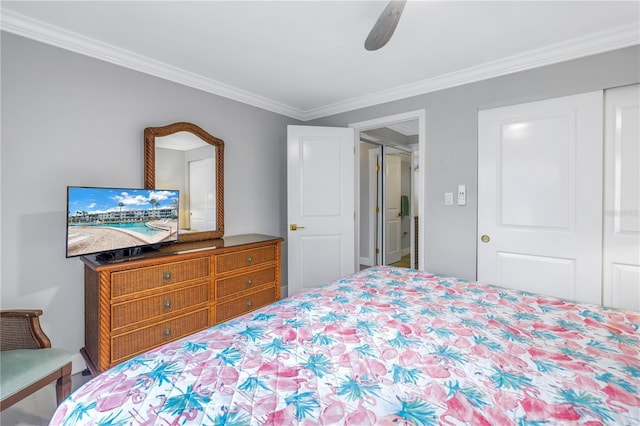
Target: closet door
x=392, y=217
x=621, y=275
x=540, y=197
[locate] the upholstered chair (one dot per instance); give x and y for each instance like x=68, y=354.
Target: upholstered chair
x=27, y=361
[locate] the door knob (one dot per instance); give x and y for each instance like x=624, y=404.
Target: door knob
x=294, y=227
x=485, y=239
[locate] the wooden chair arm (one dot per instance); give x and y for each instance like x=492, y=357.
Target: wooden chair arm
x=21, y=313
x=20, y=329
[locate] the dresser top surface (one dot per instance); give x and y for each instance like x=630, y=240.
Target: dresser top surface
x=183, y=248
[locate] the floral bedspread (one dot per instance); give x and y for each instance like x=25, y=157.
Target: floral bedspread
x=386, y=346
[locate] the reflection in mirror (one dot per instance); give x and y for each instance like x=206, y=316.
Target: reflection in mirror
x=183, y=156
x=184, y=161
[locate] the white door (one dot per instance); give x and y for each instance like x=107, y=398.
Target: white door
x=392, y=218
x=621, y=257
x=320, y=205
x=202, y=203
x=540, y=197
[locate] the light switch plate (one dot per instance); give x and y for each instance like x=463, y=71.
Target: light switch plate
x=448, y=198
x=462, y=195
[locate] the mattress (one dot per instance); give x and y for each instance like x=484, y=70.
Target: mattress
x=384, y=346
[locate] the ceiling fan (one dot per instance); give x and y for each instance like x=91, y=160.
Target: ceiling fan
x=385, y=25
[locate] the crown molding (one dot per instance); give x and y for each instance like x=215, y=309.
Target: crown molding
x=40, y=31
x=616, y=38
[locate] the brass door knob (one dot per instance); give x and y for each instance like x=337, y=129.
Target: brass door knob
x=485, y=239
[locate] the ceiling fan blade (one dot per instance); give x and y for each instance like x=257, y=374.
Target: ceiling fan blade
x=385, y=25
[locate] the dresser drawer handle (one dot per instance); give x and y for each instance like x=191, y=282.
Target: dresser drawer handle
x=166, y=276
x=249, y=282
x=166, y=332
x=249, y=260
x=166, y=304
x=248, y=303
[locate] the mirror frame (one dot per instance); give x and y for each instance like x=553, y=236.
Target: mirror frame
x=150, y=134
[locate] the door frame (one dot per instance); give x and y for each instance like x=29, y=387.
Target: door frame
x=362, y=126
x=374, y=190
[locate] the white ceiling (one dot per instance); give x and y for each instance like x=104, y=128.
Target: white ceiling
x=306, y=59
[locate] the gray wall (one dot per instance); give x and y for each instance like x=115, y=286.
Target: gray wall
x=68, y=119
x=451, y=141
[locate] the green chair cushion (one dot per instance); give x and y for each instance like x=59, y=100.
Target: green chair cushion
x=21, y=367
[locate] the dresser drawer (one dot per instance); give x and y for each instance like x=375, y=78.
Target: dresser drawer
x=134, y=280
x=242, y=259
x=239, y=283
x=242, y=305
x=140, y=340
x=127, y=313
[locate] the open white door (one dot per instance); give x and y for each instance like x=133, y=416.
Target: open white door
x=392, y=217
x=320, y=205
x=540, y=197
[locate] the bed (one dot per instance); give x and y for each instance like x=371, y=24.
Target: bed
x=387, y=346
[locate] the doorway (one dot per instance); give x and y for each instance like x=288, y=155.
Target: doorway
x=389, y=186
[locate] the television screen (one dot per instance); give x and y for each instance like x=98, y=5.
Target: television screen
x=117, y=222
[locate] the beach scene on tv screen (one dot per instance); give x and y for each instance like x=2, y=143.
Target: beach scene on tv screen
x=103, y=219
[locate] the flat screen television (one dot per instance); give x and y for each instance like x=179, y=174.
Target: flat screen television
x=115, y=223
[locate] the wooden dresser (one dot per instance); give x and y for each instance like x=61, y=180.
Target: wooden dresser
x=139, y=303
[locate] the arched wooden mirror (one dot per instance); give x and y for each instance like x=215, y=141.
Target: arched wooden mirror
x=183, y=156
